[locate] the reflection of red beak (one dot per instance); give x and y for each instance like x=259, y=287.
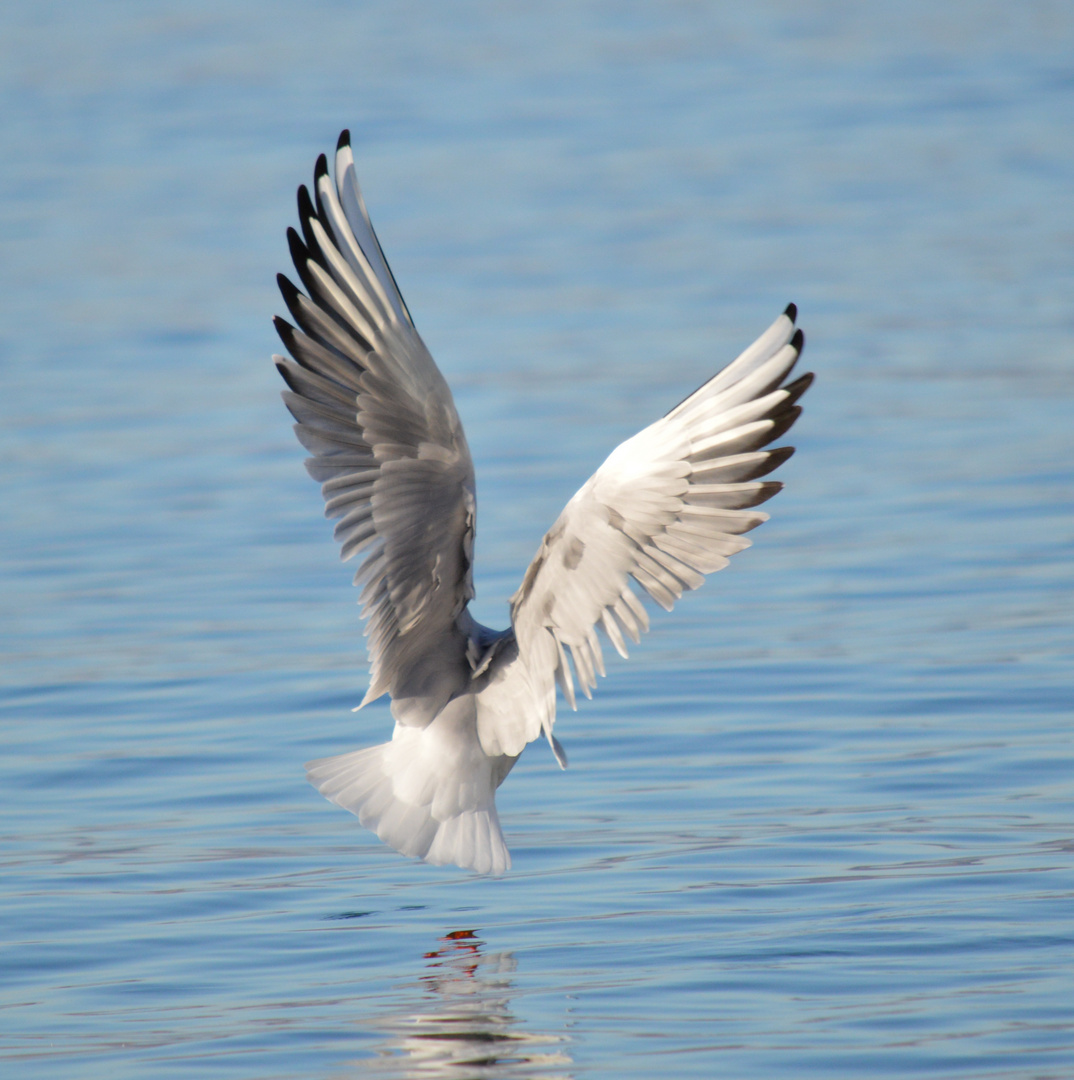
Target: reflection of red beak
x=462, y=940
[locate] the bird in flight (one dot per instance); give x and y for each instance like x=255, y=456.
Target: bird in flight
x=668, y=506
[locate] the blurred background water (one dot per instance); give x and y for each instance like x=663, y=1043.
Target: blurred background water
x=822, y=824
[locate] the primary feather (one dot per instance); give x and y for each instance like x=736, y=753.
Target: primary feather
x=667, y=507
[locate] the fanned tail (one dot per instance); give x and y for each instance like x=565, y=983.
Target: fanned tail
x=419, y=800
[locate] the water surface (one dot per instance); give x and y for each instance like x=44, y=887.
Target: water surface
x=822, y=823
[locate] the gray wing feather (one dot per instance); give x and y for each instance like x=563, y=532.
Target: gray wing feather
x=386, y=442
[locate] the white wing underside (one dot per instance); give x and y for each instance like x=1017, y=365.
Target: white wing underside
x=667, y=507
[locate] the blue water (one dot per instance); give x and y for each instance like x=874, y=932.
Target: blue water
x=822, y=823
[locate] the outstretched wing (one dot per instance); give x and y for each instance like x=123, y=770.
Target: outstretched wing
x=667, y=507
x=387, y=444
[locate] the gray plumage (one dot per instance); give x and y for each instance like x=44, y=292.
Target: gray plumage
x=667, y=507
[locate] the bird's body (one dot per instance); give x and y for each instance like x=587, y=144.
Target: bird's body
x=667, y=507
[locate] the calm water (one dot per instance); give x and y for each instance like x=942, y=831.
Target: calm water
x=822, y=824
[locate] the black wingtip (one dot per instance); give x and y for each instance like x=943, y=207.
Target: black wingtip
x=798, y=341
x=289, y=292
x=302, y=255
x=776, y=457
x=791, y=311
x=782, y=423
x=320, y=169
x=344, y=139
x=305, y=204
x=306, y=213
x=286, y=332
x=299, y=251
x=797, y=388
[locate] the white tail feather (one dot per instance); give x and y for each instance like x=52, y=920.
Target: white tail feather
x=423, y=795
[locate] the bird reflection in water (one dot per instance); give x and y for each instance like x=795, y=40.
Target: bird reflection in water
x=463, y=1026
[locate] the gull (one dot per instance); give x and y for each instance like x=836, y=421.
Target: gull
x=667, y=507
